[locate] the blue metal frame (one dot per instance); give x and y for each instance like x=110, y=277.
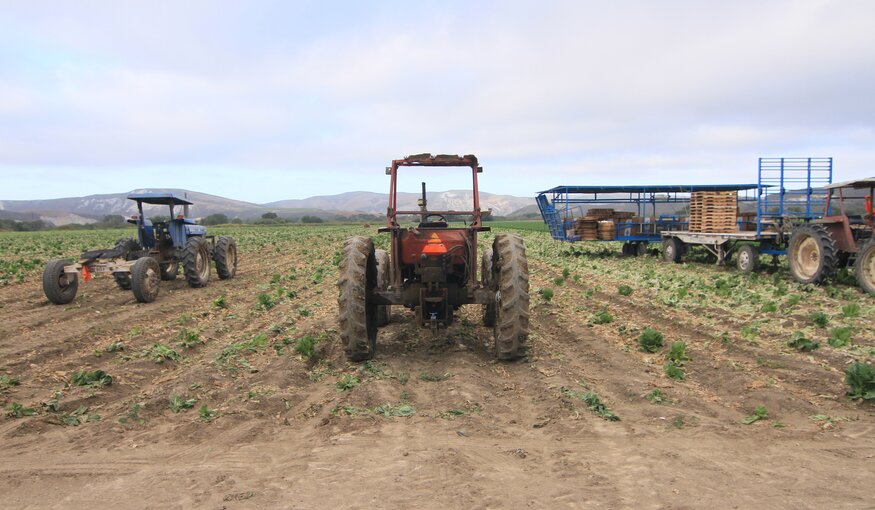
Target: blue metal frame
x=560, y=219
x=799, y=181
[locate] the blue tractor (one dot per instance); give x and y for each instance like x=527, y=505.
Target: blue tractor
x=158, y=252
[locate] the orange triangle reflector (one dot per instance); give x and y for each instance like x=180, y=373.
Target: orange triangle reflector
x=435, y=246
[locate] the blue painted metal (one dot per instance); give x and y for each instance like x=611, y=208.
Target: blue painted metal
x=800, y=194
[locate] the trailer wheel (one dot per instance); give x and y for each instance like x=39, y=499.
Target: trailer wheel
x=145, y=276
x=748, y=258
x=225, y=255
x=383, y=271
x=58, y=286
x=122, y=280
x=511, y=329
x=125, y=246
x=640, y=248
x=627, y=249
x=169, y=271
x=672, y=249
x=488, y=282
x=865, y=267
x=358, y=316
x=196, y=262
x=812, y=254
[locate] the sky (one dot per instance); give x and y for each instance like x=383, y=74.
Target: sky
x=268, y=100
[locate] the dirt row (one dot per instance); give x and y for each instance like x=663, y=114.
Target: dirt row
x=432, y=421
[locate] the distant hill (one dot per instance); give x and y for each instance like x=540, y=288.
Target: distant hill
x=92, y=208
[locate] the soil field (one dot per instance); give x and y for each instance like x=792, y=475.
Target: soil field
x=238, y=395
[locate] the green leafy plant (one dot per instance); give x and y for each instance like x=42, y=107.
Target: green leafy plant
x=674, y=372
x=656, y=396
x=792, y=300
x=7, y=382
x=860, y=379
x=820, y=319
x=220, y=302
x=592, y=401
x=133, y=415
x=77, y=416
x=839, y=337
x=851, y=310
x=91, y=378
x=265, y=302
x=159, y=353
x=402, y=410
x=306, y=346
x=179, y=403
x=347, y=382
x=429, y=377
x=546, y=293
x=650, y=340
x=798, y=341
x=602, y=317
x=17, y=410
x=769, y=307
x=677, y=355
x=114, y=347
x=624, y=290
x=759, y=413
x=188, y=338
x=206, y=414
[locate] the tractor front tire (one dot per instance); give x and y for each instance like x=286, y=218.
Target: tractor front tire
x=58, y=286
x=511, y=329
x=383, y=271
x=357, y=314
x=865, y=267
x=811, y=254
x=196, y=262
x=145, y=277
x=747, y=259
x=488, y=280
x=225, y=255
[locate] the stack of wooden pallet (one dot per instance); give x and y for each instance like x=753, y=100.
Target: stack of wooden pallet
x=606, y=230
x=713, y=211
x=586, y=228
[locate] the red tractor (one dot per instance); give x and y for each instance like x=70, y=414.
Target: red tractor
x=818, y=248
x=432, y=268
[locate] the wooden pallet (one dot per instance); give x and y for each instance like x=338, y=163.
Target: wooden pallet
x=713, y=211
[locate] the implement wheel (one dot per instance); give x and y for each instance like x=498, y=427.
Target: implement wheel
x=511, y=328
x=145, y=276
x=865, y=267
x=383, y=270
x=125, y=245
x=748, y=258
x=225, y=255
x=811, y=254
x=196, y=262
x=357, y=314
x=488, y=282
x=58, y=286
x=672, y=249
x=169, y=270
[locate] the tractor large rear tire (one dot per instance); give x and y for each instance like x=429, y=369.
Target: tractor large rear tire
x=511, y=329
x=357, y=314
x=125, y=245
x=865, y=267
x=383, y=271
x=145, y=277
x=811, y=254
x=488, y=282
x=196, y=262
x=58, y=286
x=225, y=255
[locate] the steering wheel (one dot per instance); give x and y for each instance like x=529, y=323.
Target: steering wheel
x=440, y=217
